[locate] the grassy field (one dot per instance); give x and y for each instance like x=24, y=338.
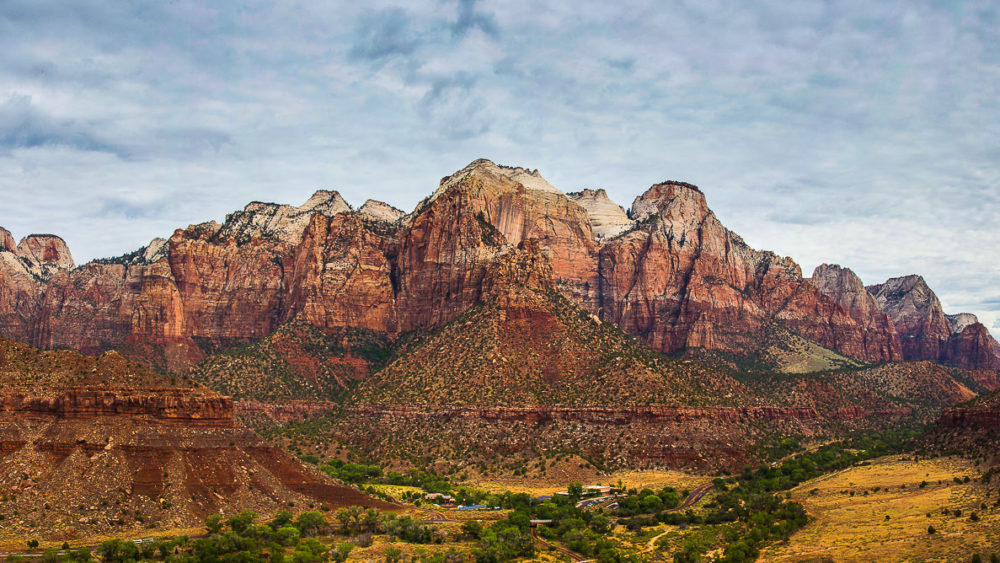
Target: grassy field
x=560, y=474
x=888, y=515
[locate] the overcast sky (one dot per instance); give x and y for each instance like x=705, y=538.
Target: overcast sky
x=861, y=133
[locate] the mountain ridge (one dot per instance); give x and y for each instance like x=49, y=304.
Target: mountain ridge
x=668, y=272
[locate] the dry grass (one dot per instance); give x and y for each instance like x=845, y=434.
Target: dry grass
x=559, y=476
x=855, y=528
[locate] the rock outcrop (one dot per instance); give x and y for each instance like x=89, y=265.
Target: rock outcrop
x=380, y=211
x=44, y=255
x=926, y=333
x=607, y=218
x=667, y=271
x=680, y=279
x=846, y=289
x=76, y=431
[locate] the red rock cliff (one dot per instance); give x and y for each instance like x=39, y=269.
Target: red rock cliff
x=670, y=273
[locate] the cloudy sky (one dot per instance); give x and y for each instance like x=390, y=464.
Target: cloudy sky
x=863, y=133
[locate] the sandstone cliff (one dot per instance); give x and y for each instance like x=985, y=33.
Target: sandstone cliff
x=667, y=271
x=680, y=279
x=846, y=289
x=926, y=333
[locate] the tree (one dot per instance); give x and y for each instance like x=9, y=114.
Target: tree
x=393, y=555
x=281, y=519
x=575, y=490
x=309, y=522
x=473, y=529
x=287, y=535
x=213, y=523
x=931, y=530
x=242, y=521
x=340, y=553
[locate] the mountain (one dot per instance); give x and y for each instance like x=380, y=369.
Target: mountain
x=926, y=333
x=970, y=429
x=846, y=289
x=79, y=432
x=526, y=344
x=526, y=371
x=666, y=271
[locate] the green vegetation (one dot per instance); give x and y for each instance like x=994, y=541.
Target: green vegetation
x=286, y=538
x=297, y=361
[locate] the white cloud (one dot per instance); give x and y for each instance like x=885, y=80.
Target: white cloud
x=859, y=133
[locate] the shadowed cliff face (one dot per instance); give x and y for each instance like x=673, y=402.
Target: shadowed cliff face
x=668, y=272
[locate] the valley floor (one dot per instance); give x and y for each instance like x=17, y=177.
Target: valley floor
x=880, y=512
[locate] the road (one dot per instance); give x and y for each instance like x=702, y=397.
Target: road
x=695, y=496
x=571, y=554
x=692, y=499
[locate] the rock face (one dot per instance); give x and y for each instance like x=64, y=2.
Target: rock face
x=668, y=272
x=681, y=279
x=846, y=289
x=7, y=241
x=44, y=255
x=456, y=233
x=607, y=218
x=379, y=211
x=926, y=333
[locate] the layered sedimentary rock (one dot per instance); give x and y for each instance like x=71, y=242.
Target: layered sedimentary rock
x=668, y=271
x=77, y=432
x=926, y=333
x=846, y=289
x=681, y=279
x=607, y=218
x=171, y=405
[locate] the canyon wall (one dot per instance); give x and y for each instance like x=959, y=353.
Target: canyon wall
x=667, y=271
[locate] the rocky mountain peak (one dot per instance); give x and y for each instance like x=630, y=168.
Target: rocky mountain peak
x=493, y=173
x=380, y=211
x=327, y=202
x=45, y=254
x=834, y=279
x=960, y=321
x=7, y=243
x=285, y=223
x=846, y=289
x=607, y=218
x=679, y=198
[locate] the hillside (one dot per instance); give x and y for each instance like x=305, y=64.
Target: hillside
x=297, y=361
x=97, y=446
x=525, y=344
x=525, y=373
